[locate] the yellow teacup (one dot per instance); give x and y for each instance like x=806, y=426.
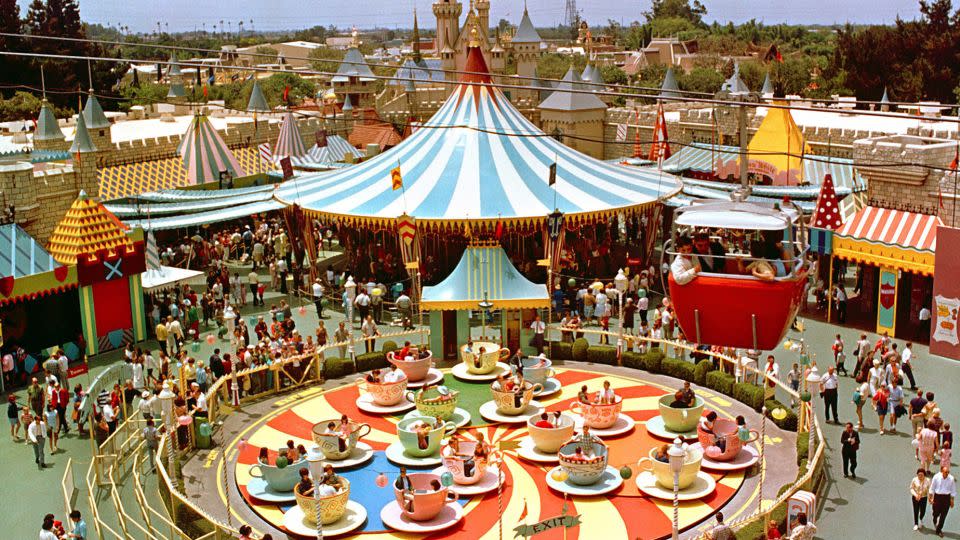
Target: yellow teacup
x=664, y=475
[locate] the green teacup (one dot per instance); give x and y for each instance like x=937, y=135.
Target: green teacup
x=410, y=441
x=442, y=409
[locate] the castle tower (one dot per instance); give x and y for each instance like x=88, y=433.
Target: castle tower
x=578, y=117
x=447, y=13
x=448, y=59
x=84, y=157
x=417, y=58
x=48, y=135
x=526, y=46
x=483, y=18
x=97, y=123
x=177, y=93
x=498, y=61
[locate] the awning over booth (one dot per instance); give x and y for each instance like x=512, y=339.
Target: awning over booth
x=891, y=238
x=21, y=255
x=485, y=273
x=166, y=276
x=478, y=158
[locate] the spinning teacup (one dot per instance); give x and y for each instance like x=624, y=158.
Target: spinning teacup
x=483, y=363
x=332, y=444
x=677, y=419
x=278, y=479
x=412, y=444
x=664, y=475
x=549, y=440
x=430, y=402
x=415, y=369
x=384, y=394
x=332, y=507
x=507, y=402
x=598, y=415
x=464, y=466
x=536, y=370
x=726, y=430
x=423, y=502
x=586, y=468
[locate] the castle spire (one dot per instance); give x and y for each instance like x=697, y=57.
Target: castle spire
x=416, y=38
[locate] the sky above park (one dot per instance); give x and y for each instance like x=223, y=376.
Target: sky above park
x=186, y=15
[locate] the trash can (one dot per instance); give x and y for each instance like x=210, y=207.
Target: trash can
x=204, y=431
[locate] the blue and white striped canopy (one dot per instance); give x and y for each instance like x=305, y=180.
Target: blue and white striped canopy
x=478, y=158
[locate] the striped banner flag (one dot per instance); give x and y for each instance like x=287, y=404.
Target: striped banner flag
x=265, y=153
x=153, y=253
x=621, y=132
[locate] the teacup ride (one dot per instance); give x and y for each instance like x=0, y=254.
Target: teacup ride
x=338, y=514
x=505, y=408
x=430, y=402
x=471, y=476
x=342, y=453
x=420, y=370
x=542, y=443
x=656, y=477
x=408, y=450
x=270, y=483
x=675, y=422
x=422, y=509
x=478, y=367
x=737, y=453
x=603, y=419
x=539, y=371
x=586, y=474
x=383, y=398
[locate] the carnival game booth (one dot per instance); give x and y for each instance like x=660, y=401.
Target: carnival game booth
x=483, y=280
x=477, y=169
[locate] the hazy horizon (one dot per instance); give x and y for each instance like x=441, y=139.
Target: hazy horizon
x=187, y=15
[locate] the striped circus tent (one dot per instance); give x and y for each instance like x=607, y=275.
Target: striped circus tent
x=289, y=142
x=336, y=150
x=153, y=252
x=478, y=158
x=205, y=154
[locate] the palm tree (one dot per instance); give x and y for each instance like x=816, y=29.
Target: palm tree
x=221, y=27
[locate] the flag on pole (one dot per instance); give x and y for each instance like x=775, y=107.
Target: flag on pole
x=205, y=94
x=265, y=153
x=396, y=178
x=637, y=151
x=553, y=174
x=286, y=93
x=498, y=231
x=523, y=515
x=621, y=132
x=287, y=167
x=660, y=148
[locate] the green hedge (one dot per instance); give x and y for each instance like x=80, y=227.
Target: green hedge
x=678, y=369
x=561, y=351
x=602, y=354
x=334, y=368
x=633, y=359
x=388, y=346
x=789, y=422
x=579, y=350
x=721, y=382
x=749, y=394
x=700, y=372
x=803, y=447
x=373, y=360
x=653, y=361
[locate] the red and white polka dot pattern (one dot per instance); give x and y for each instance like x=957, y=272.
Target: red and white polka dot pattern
x=827, y=213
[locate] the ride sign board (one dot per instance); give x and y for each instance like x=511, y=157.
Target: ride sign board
x=563, y=520
x=945, y=308
x=887, y=304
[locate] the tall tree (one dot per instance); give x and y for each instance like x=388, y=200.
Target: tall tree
x=681, y=9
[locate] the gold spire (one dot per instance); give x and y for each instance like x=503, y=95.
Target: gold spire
x=474, y=36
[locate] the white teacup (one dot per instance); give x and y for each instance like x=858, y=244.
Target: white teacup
x=549, y=440
x=661, y=470
x=536, y=375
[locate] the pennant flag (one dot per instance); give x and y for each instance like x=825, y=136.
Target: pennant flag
x=621, y=132
x=321, y=136
x=660, y=148
x=498, y=231
x=553, y=174
x=407, y=228
x=523, y=515
x=265, y=153
x=773, y=53
x=153, y=252
x=286, y=93
x=953, y=167
x=396, y=178
x=205, y=94
x=287, y=166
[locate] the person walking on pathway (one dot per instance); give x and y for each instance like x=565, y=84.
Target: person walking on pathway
x=860, y=396
x=895, y=406
x=36, y=434
x=839, y=356
x=917, y=415
x=919, y=491
x=943, y=491
x=906, y=357
x=927, y=446
x=850, y=444
x=828, y=389
x=881, y=404
x=318, y=297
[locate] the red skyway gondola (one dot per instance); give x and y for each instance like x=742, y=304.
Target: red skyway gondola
x=732, y=309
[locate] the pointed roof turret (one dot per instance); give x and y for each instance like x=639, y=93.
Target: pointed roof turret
x=289, y=142
x=596, y=77
x=562, y=99
x=81, y=139
x=767, y=89
x=258, y=102
x=175, y=77
x=47, y=127
x=347, y=105
x=93, y=113
x=669, y=88
x=826, y=215
x=353, y=65
x=587, y=72
x=204, y=153
x=885, y=100
x=87, y=228
x=735, y=84
x=416, y=38
x=526, y=33
x=174, y=69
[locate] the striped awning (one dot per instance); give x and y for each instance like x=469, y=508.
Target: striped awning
x=891, y=238
x=21, y=255
x=485, y=273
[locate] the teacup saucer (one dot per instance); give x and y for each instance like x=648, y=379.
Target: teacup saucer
x=489, y=411
x=701, y=487
x=486, y=484
x=365, y=403
x=397, y=454
x=353, y=518
x=392, y=516
x=460, y=417
x=550, y=386
x=360, y=455
x=528, y=450
x=609, y=481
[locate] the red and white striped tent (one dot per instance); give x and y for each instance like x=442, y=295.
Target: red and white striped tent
x=205, y=154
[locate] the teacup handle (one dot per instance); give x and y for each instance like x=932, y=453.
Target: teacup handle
x=575, y=407
x=449, y=428
x=411, y=397
x=645, y=464
x=365, y=433
x=537, y=388
x=258, y=469
x=551, y=373
x=504, y=354
x=754, y=435
x=451, y=496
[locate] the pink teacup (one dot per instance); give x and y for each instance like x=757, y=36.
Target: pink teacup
x=457, y=464
x=423, y=503
x=597, y=416
x=415, y=369
x=384, y=394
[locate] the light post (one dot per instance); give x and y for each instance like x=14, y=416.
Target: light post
x=315, y=463
x=620, y=283
x=350, y=289
x=484, y=305
x=813, y=379
x=676, y=455
x=166, y=398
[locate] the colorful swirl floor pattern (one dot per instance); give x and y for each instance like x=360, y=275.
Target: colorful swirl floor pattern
x=625, y=513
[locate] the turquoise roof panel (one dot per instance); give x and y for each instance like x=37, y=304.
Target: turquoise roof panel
x=485, y=273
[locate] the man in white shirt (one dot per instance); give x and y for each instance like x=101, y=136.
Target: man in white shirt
x=174, y=335
x=923, y=329
x=393, y=375
x=943, y=491
x=685, y=266
x=63, y=364
x=37, y=434
x=369, y=330
x=905, y=357
x=362, y=303
x=538, y=327
x=828, y=389
x=318, y=297
x=253, y=281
